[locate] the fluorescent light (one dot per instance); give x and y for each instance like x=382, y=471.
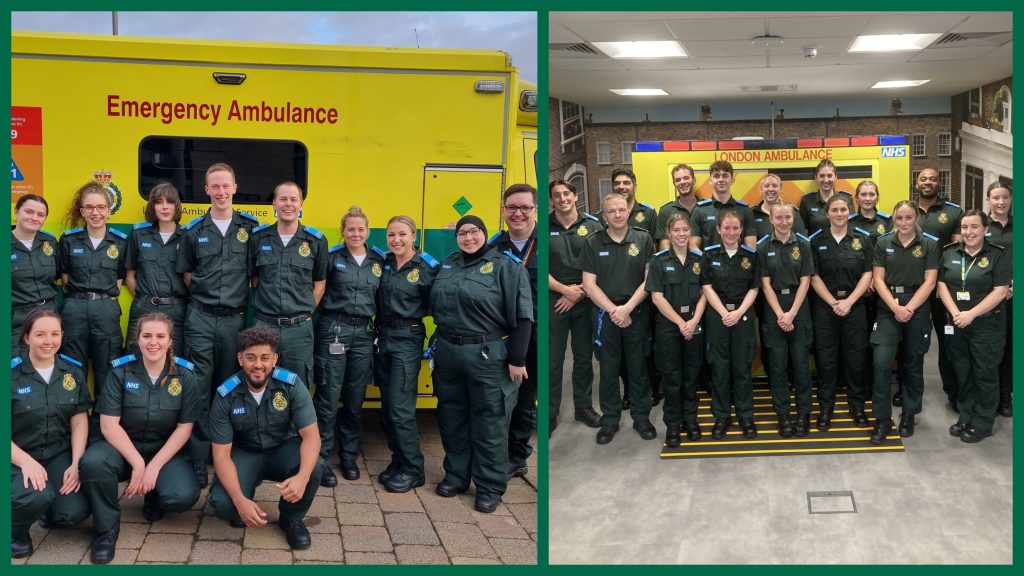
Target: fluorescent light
x=648, y=49
x=899, y=83
x=639, y=91
x=892, y=42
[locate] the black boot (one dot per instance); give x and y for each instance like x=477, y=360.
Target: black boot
x=803, y=425
x=692, y=430
x=1005, y=408
x=785, y=426
x=103, y=546
x=906, y=425
x=881, y=432
x=21, y=547
x=720, y=428
x=860, y=419
x=672, y=435
x=825, y=419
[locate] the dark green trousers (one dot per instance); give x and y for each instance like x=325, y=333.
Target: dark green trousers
x=211, y=343
x=28, y=504
x=913, y=340
x=578, y=323
x=946, y=373
x=524, y=416
x=175, y=311
x=342, y=377
x=789, y=354
x=398, y=370
x=92, y=333
x=277, y=464
x=617, y=343
x=730, y=354
x=295, y=349
x=102, y=467
x=679, y=361
x=832, y=334
x=978, y=349
x=475, y=399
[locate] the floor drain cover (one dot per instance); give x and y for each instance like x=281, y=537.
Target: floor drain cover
x=832, y=502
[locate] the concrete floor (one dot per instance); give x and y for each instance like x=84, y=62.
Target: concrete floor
x=940, y=502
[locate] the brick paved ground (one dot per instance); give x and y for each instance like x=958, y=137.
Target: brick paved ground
x=354, y=523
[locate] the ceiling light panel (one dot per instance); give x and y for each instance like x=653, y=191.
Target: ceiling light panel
x=892, y=42
x=639, y=91
x=645, y=49
x=900, y=83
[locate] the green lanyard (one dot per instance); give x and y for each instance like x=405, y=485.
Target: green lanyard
x=965, y=270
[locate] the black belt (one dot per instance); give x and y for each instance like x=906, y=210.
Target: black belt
x=33, y=305
x=284, y=320
x=399, y=322
x=841, y=293
x=896, y=290
x=350, y=320
x=162, y=301
x=219, y=310
x=730, y=306
x=620, y=302
x=91, y=296
x=460, y=340
x=786, y=291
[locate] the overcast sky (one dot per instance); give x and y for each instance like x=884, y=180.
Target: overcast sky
x=513, y=32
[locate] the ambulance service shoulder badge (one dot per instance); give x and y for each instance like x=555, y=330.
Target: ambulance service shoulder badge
x=47, y=249
x=280, y=402
x=242, y=235
x=414, y=276
x=633, y=250
x=487, y=268
x=376, y=270
x=304, y=250
x=112, y=252
x=174, y=388
x=69, y=382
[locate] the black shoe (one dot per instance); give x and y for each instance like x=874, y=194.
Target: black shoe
x=802, y=426
x=328, y=479
x=103, y=546
x=672, y=435
x=392, y=469
x=881, y=432
x=749, y=430
x=199, y=468
x=656, y=397
x=589, y=417
x=447, y=489
x=825, y=419
x=486, y=502
x=295, y=533
x=860, y=419
x=952, y=404
x=693, y=433
x=517, y=468
x=21, y=547
x=645, y=429
x=720, y=428
x=349, y=470
x=958, y=429
x=606, y=433
x=1005, y=408
x=906, y=429
x=45, y=522
x=402, y=482
x=972, y=435
x=897, y=399
x=151, y=509
x=785, y=427
x=237, y=522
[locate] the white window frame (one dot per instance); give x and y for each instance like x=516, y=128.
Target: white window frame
x=604, y=186
x=575, y=118
x=627, y=152
x=946, y=182
x=945, y=144
x=914, y=143
x=974, y=103
x=606, y=158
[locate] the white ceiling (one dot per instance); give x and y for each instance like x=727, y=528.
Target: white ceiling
x=722, y=58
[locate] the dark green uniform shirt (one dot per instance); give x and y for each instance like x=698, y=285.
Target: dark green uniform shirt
x=763, y=223
x=488, y=296
x=905, y=267
x=876, y=226
x=527, y=257
x=731, y=277
x=41, y=411
x=404, y=293
x=785, y=263
x=678, y=281
x=92, y=269
x=705, y=219
x=286, y=273
x=218, y=264
x=941, y=220
x=673, y=207
x=236, y=419
x=149, y=411
x=841, y=264
x=974, y=277
x=642, y=217
x=1002, y=235
x=812, y=210
x=155, y=263
x=566, y=244
x=351, y=288
x=619, y=266
x=33, y=272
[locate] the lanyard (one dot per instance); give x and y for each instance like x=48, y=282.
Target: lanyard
x=529, y=252
x=965, y=270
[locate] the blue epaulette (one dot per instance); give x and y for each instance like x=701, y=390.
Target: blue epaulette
x=184, y=363
x=493, y=239
x=260, y=227
x=430, y=260
x=228, y=385
x=336, y=247
x=763, y=238
x=122, y=360
x=927, y=235
x=953, y=204
x=696, y=252
x=591, y=216
x=74, y=231
x=712, y=247
x=194, y=221
x=286, y=376
x=316, y=233
x=71, y=360
x=799, y=235
x=816, y=232
x=659, y=253
x=379, y=252
x=748, y=248
x=852, y=216
x=15, y=362
x=117, y=233
x=741, y=202
x=950, y=245
x=248, y=216
x=141, y=225
x=889, y=233
x=883, y=214
x=44, y=232
x=646, y=205
x=862, y=231
x=512, y=256
x=705, y=202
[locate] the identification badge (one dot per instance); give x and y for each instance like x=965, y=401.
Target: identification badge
x=684, y=309
x=949, y=329
x=784, y=291
x=963, y=295
x=841, y=293
x=898, y=290
x=336, y=348
x=730, y=307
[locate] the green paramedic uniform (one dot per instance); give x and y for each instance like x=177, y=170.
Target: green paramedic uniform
x=704, y=221
x=812, y=210
x=33, y=281
x=1003, y=235
x=159, y=287
x=763, y=223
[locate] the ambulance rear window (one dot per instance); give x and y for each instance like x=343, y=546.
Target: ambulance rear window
x=259, y=165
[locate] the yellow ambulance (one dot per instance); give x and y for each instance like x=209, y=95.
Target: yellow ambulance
x=430, y=133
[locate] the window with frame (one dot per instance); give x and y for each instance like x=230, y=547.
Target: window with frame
x=604, y=186
x=627, y=152
x=913, y=183
x=945, y=181
x=572, y=121
x=945, y=143
x=604, y=154
x=974, y=188
x=974, y=102
x=917, y=145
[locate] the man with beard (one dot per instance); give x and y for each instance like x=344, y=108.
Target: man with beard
x=686, y=201
x=263, y=426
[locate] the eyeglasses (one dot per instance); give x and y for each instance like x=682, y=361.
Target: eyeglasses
x=524, y=209
x=469, y=232
x=88, y=208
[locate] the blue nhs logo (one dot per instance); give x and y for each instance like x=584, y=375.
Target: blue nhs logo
x=894, y=152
